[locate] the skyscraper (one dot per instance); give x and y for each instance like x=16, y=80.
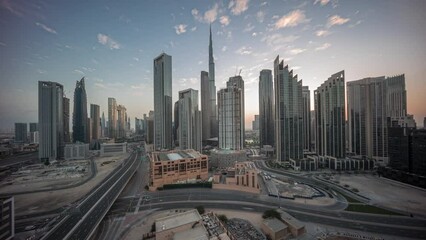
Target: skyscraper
x=103, y=126
x=266, y=108
x=51, y=120
x=288, y=113
x=231, y=118
x=176, y=124
x=237, y=81
x=112, y=118
x=189, y=127
x=255, y=123
x=33, y=127
x=149, y=121
x=212, y=89
x=121, y=121
x=96, y=121
x=21, y=132
x=372, y=103
x=79, y=131
x=206, y=105
x=306, y=118
x=163, y=102
x=66, y=108
x=330, y=117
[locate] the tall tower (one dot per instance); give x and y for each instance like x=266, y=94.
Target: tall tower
x=189, y=127
x=238, y=82
x=306, y=118
x=66, y=107
x=96, y=122
x=330, y=117
x=112, y=117
x=103, y=125
x=288, y=113
x=205, y=105
x=51, y=120
x=212, y=89
x=266, y=106
x=163, y=102
x=121, y=121
x=80, y=113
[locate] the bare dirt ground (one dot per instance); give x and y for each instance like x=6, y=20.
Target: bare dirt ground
x=387, y=193
x=51, y=200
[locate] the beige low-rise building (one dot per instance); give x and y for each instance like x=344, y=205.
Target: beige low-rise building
x=296, y=227
x=179, y=226
x=177, y=167
x=275, y=229
x=242, y=177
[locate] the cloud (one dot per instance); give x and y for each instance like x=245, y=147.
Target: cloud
x=355, y=24
x=278, y=39
x=260, y=16
x=136, y=59
x=296, y=51
x=108, y=41
x=292, y=19
x=336, y=20
x=244, y=50
x=248, y=28
x=323, y=47
x=3, y=44
x=79, y=72
x=181, y=28
x=225, y=20
x=322, y=33
x=46, y=28
x=238, y=6
x=296, y=67
x=100, y=85
x=211, y=14
x=224, y=49
x=196, y=14
x=322, y=2
x=194, y=28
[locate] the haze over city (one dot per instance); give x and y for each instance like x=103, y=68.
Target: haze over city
x=112, y=44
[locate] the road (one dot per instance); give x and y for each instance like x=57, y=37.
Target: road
x=17, y=159
x=81, y=220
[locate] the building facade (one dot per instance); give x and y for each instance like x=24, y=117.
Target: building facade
x=7, y=213
x=21, y=132
x=237, y=81
x=330, y=117
x=163, y=102
x=266, y=109
x=96, y=121
x=79, y=128
x=177, y=167
x=121, y=121
x=206, y=105
x=76, y=151
x=51, y=120
x=288, y=113
x=212, y=90
x=307, y=136
x=67, y=135
x=255, y=123
x=230, y=111
x=112, y=117
x=189, y=120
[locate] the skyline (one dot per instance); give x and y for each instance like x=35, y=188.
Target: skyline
x=49, y=42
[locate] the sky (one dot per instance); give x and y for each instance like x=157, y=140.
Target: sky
x=113, y=44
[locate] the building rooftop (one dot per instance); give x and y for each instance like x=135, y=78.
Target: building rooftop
x=274, y=224
x=176, y=155
x=177, y=220
x=196, y=233
x=290, y=220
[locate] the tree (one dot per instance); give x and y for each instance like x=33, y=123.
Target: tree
x=223, y=218
x=200, y=209
x=272, y=213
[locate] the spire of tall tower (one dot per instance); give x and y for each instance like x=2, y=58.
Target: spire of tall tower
x=211, y=60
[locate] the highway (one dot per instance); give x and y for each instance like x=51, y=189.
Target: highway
x=21, y=158
x=81, y=221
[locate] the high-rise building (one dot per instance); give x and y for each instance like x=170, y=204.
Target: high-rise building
x=66, y=107
x=400, y=142
x=231, y=118
x=89, y=125
x=330, y=117
x=96, y=121
x=139, y=125
x=371, y=101
x=51, y=120
x=21, y=132
x=79, y=129
x=121, y=121
x=149, y=121
x=288, y=113
x=237, y=81
x=33, y=127
x=266, y=108
x=313, y=132
x=189, y=127
x=103, y=126
x=176, y=124
x=206, y=105
x=255, y=123
x=306, y=118
x=212, y=89
x=112, y=118
x=163, y=102
x=419, y=152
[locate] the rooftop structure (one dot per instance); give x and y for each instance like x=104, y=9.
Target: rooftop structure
x=167, y=227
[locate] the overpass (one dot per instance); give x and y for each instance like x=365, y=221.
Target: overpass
x=80, y=222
